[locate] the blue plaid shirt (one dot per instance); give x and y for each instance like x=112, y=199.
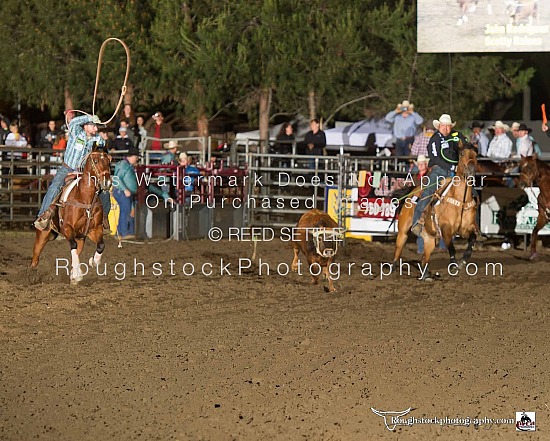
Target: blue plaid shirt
x=78, y=145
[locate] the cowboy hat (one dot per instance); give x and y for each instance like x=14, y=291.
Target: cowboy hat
x=171, y=145
x=514, y=126
x=478, y=124
x=406, y=104
x=523, y=126
x=133, y=151
x=500, y=125
x=421, y=158
x=183, y=156
x=444, y=119
x=92, y=119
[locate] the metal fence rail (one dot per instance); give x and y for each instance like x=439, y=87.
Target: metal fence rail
x=277, y=190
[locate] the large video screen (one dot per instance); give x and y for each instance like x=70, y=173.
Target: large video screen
x=483, y=26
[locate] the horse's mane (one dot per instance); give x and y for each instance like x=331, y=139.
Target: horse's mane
x=543, y=166
x=82, y=163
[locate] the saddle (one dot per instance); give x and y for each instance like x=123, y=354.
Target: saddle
x=61, y=201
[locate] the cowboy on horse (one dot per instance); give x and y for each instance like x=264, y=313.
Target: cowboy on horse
x=443, y=153
x=83, y=134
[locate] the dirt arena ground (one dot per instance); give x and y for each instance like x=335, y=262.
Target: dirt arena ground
x=250, y=357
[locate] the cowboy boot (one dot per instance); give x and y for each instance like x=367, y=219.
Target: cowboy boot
x=419, y=226
x=43, y=221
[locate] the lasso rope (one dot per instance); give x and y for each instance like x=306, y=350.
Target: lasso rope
x=123, y=89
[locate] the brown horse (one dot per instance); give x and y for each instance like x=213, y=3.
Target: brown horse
x=469, y=7
x=533, y=170
x=524, y=11
x=80, y=213
x=493, y=173
x=453, y=211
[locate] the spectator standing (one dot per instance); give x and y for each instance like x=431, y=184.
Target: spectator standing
x=4, y=130
x=124, y=192
x=16, y=139
x=169, y=157
x=159, y=130
x=190, y=175
x=122, y=141
x=478, y=138
x=315, y=139
x=524, y=143
x=421, y=141
x=514, y=135
x=48, y=136
x=405, y=123
x=536, y=147
x=284, y=142
x=141, y=133
x=500, y=146
x=127, y=115
x=129, y=131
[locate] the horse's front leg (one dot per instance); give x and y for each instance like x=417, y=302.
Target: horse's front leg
x=76, y=274
x=541, y=222
x=447, y=237
x=469, y=248
x=40, y=241
x=96, y=235
x=429, y=246
x=404, y=225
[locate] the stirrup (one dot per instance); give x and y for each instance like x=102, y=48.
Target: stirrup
x=43, y=222
x=417, y=228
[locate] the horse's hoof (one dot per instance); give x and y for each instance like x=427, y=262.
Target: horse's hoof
x=459, y=22
x=76, y=277
x=91, y=262
x=426, y=278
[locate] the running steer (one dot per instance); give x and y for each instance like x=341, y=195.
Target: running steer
x=317, y=237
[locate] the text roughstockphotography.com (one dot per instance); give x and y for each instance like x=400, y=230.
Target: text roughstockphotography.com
x=245, y=266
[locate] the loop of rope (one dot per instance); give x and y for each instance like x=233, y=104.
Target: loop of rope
x=122, y=90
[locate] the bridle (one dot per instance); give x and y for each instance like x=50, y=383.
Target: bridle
x=530, y=178
x=100, y=176
x=466, y=167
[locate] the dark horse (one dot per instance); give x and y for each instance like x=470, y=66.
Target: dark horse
x=533, y=170
x=453, y=211
x=493, y=173
x=80, y=213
